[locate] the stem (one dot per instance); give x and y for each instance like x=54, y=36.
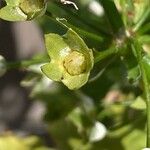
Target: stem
x=85, y=21
x=25, y=63
x=78, y=30
x=136, y=47
x=104, y=54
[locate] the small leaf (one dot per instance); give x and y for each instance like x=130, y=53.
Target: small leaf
x=76, y=118
x=11, y=142
x=32, y=8
x=133, y=74
x=128, y=141
x=139, y=104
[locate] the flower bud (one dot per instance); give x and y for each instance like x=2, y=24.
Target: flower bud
x=21, y=10
x=70, y=59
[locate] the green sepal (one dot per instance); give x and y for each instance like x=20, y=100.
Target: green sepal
x=12, y=2
x=75, y=82
x=75, y=42
x=11, y=13
x=56, y=47
x=21, y=10
x=33, y=8
x=53, y=71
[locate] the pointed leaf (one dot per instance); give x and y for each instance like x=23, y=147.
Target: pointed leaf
x=139, y=104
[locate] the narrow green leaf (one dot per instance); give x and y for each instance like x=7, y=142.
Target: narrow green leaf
x=139, y=104
x=144, y=17
x=88, y=34
x=113, y=15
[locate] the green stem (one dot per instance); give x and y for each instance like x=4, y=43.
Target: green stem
x=78, y=30
x=25, y=63
x=104, y=54
x=137, y=48
x=85, y=21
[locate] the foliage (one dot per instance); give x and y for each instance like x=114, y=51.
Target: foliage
x=12, y=142
x=104, y=59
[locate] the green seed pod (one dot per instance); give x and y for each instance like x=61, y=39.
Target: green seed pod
x=2, y=66
x=21, y=10
x=71, y=60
